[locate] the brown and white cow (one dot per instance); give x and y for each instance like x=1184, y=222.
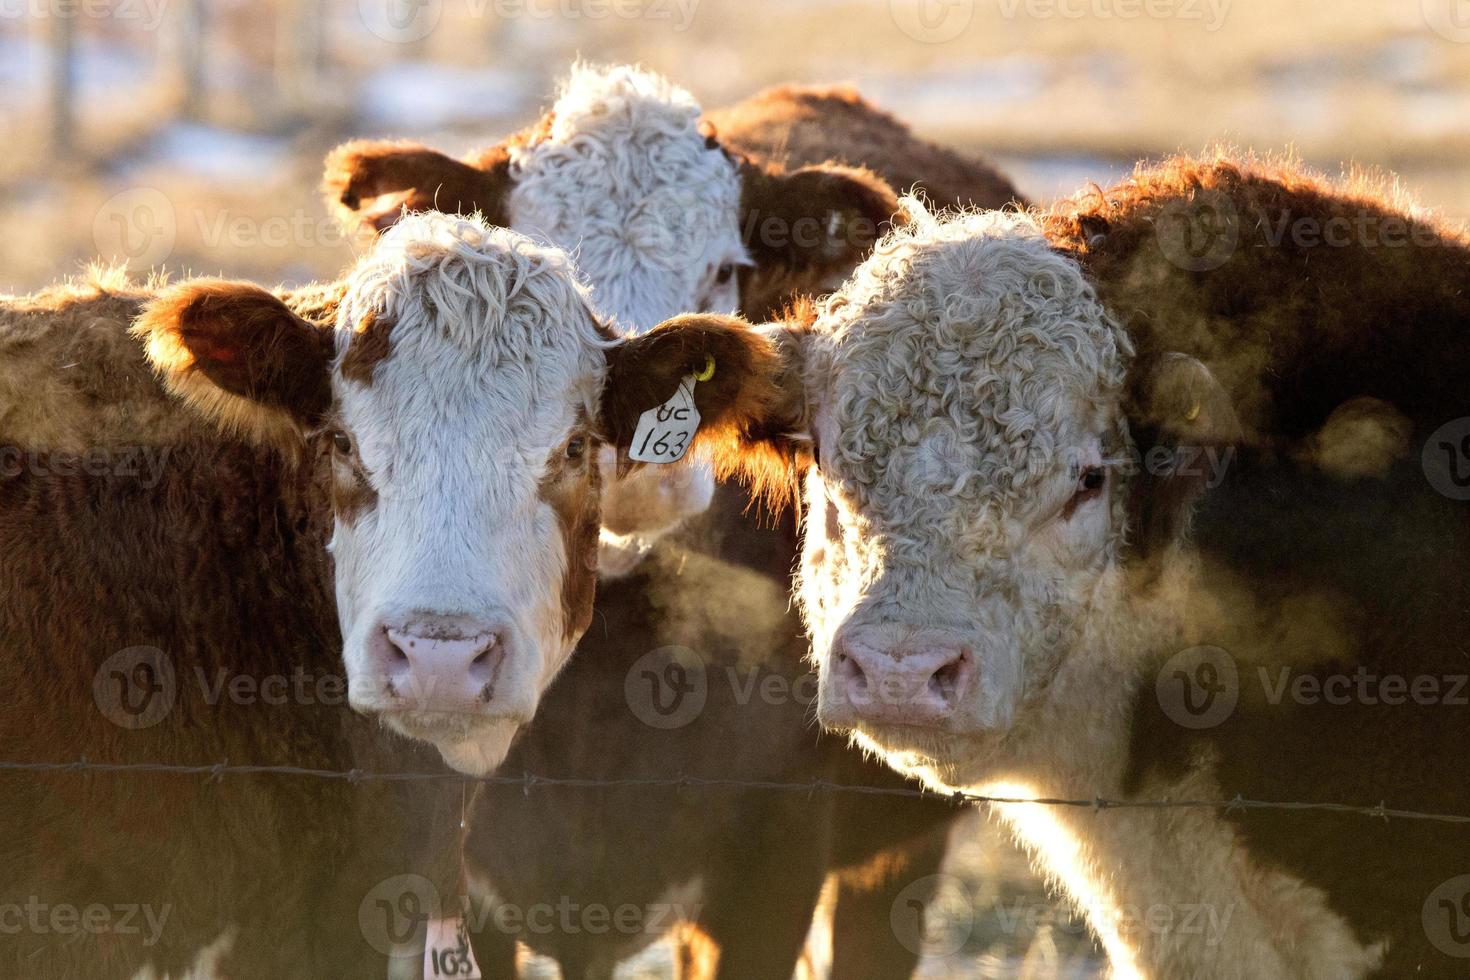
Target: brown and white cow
x=1003, y=597
x=413, y=496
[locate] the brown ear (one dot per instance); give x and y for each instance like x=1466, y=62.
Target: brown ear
x=237, y=355
x=368, y=183
x=1186, y=430
x=815, y=223
x=752, y=411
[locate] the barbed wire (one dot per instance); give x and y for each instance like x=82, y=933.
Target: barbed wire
x=529, y=781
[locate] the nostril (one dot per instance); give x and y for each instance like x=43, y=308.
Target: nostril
x=492, y=643
x=398, y=645
x=947, y=682
x=851, y=673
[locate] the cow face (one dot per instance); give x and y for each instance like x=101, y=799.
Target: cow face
x=965, y=403
x=456, y=404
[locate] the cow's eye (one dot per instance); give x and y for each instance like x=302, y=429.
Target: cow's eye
x=576, y=448
x=342, y=442
x=1092, y=480
x=725, y=274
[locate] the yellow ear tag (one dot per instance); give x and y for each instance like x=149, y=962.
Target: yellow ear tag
x=1192, y=414
x=708, y=371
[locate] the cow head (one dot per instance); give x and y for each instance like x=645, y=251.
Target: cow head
x=662, y=220
x=456, y=405
x=973, y=504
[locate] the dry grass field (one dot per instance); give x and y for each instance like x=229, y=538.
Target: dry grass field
x=1059, y=92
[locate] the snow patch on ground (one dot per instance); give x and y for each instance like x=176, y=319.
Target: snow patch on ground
x=417, y=96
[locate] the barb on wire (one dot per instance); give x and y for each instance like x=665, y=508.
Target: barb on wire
x=215, y=772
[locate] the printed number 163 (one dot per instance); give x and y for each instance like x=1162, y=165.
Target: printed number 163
x=664, y=446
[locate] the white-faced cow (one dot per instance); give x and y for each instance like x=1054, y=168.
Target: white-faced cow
x=1004, y=594
x=414, y=497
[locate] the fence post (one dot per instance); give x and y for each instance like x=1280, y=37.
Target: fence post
x=191, y=25
x=61, y=42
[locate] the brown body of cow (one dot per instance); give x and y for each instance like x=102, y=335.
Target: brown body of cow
x=220, y=565
x=794, y=126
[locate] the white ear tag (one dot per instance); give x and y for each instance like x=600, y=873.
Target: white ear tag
x=447, y=951
x=665, y=433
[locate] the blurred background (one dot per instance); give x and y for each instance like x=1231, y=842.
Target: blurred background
x=188, y=135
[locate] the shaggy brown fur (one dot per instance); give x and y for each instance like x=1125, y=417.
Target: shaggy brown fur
x=73, y=378
x=1293, y=322
x=222, y=567
x=368, y=347
x=797, y=126
x=793, y=126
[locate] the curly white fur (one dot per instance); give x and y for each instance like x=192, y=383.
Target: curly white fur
x=626, y=181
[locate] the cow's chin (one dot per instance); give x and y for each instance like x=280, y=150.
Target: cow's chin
x=942, y=760
x=475, y=746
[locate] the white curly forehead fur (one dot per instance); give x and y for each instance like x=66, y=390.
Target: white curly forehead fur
x=481, y=318
x=625, y=181
x=956, y=359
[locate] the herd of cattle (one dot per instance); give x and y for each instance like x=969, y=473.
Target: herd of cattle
x=1092, y=498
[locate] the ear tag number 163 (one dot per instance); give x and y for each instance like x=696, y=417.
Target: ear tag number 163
x=666, y=431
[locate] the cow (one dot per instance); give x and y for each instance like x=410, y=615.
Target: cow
x=1051, y=556
x=403, y=490
x=796, y=126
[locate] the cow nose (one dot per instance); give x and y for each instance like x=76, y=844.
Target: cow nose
x=439, y=663
x=921, y=681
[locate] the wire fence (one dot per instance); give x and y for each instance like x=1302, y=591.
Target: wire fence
x=528, y=781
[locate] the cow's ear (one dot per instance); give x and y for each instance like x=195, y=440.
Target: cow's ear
x=369, y=183
x=751, y=407
x=816, y=223
x=238, y=356
x=1186, y=432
